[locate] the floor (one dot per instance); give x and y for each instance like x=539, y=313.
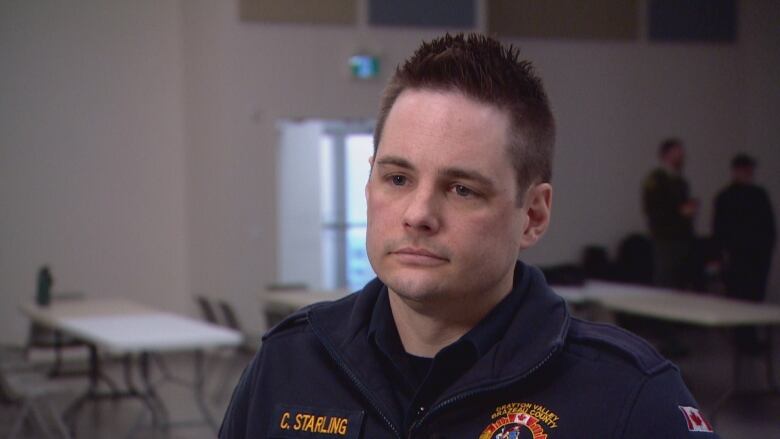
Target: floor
x=751, y=411
x=707, y=369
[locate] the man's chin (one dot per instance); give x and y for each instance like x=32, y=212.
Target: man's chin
x=415, y=288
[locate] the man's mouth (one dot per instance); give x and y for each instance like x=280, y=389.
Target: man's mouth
x=418, y=256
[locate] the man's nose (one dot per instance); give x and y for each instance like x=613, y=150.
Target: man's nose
x=422, y=212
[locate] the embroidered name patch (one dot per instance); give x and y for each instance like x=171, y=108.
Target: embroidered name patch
x=290, y=421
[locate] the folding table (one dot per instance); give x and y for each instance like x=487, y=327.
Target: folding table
x=133, y=331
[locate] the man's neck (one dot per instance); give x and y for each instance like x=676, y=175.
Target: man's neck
x=425, y=329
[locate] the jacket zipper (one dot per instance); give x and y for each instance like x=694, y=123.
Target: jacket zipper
x=337, y=358
x=471, y=393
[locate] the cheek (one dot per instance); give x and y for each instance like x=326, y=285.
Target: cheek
x=493, y=233
x=378, y=217
x=377, y=207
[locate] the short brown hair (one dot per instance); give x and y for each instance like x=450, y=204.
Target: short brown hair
x=743, y=160
x=483, y=69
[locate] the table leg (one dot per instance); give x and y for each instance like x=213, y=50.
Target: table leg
x=96, y=374
x=132, y=390
x=772, y=384
x=200, y=397
x=56, y=369
x=149, y=395
x=771, y=379
x=731, y=389
x=127, y=366
x=147, y=392
x=71, y=412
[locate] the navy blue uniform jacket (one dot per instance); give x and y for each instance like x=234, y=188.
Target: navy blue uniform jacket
x=550, y=376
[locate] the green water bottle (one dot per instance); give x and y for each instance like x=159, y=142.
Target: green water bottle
x=45, y=281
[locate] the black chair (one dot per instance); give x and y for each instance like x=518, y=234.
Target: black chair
x=596, y=264
x=635, y=260
x=31, y=393
x=241, y=355
x=230, y=319
x=564, y=274
x=207, y=310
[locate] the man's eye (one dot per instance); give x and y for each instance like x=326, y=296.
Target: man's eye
x=463, y=191
x=398, y=180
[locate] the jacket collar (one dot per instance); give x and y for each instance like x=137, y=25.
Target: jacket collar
x=535, y=333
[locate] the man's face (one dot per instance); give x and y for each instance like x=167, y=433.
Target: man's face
x=443, y=218
x=743, y=174
x=675, y=158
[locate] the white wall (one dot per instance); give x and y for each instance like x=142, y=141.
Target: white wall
x=128, y=186
x=91, y=152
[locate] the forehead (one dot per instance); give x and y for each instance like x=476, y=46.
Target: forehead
x=446, y=126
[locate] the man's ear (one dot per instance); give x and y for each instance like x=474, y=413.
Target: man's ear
x=538, y=205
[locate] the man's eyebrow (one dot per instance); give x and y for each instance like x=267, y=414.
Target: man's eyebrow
x=395, y=161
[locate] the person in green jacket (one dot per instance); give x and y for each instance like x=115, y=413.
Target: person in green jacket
x=670, y=211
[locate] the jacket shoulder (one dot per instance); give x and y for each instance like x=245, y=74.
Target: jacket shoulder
x=301, y=318
x=613, y=341
x=297, y=319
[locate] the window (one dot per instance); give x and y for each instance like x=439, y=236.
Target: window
x=323, y=171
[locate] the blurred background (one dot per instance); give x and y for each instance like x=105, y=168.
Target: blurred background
x=157, y=150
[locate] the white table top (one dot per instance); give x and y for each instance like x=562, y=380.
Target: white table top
x=150, y=332
x=681, y=306
x=122, y=326
x=58, y=310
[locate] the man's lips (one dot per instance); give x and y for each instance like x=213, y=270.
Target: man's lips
x=418, y=256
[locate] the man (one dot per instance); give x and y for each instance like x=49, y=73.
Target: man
x=670, y=212
x=744, y=229
x=456, y=338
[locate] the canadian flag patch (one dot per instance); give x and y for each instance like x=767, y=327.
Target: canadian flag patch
x=695, y=420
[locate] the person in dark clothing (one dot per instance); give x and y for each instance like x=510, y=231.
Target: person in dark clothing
x=455, y=337
x=670, y=210
x=744, y=229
